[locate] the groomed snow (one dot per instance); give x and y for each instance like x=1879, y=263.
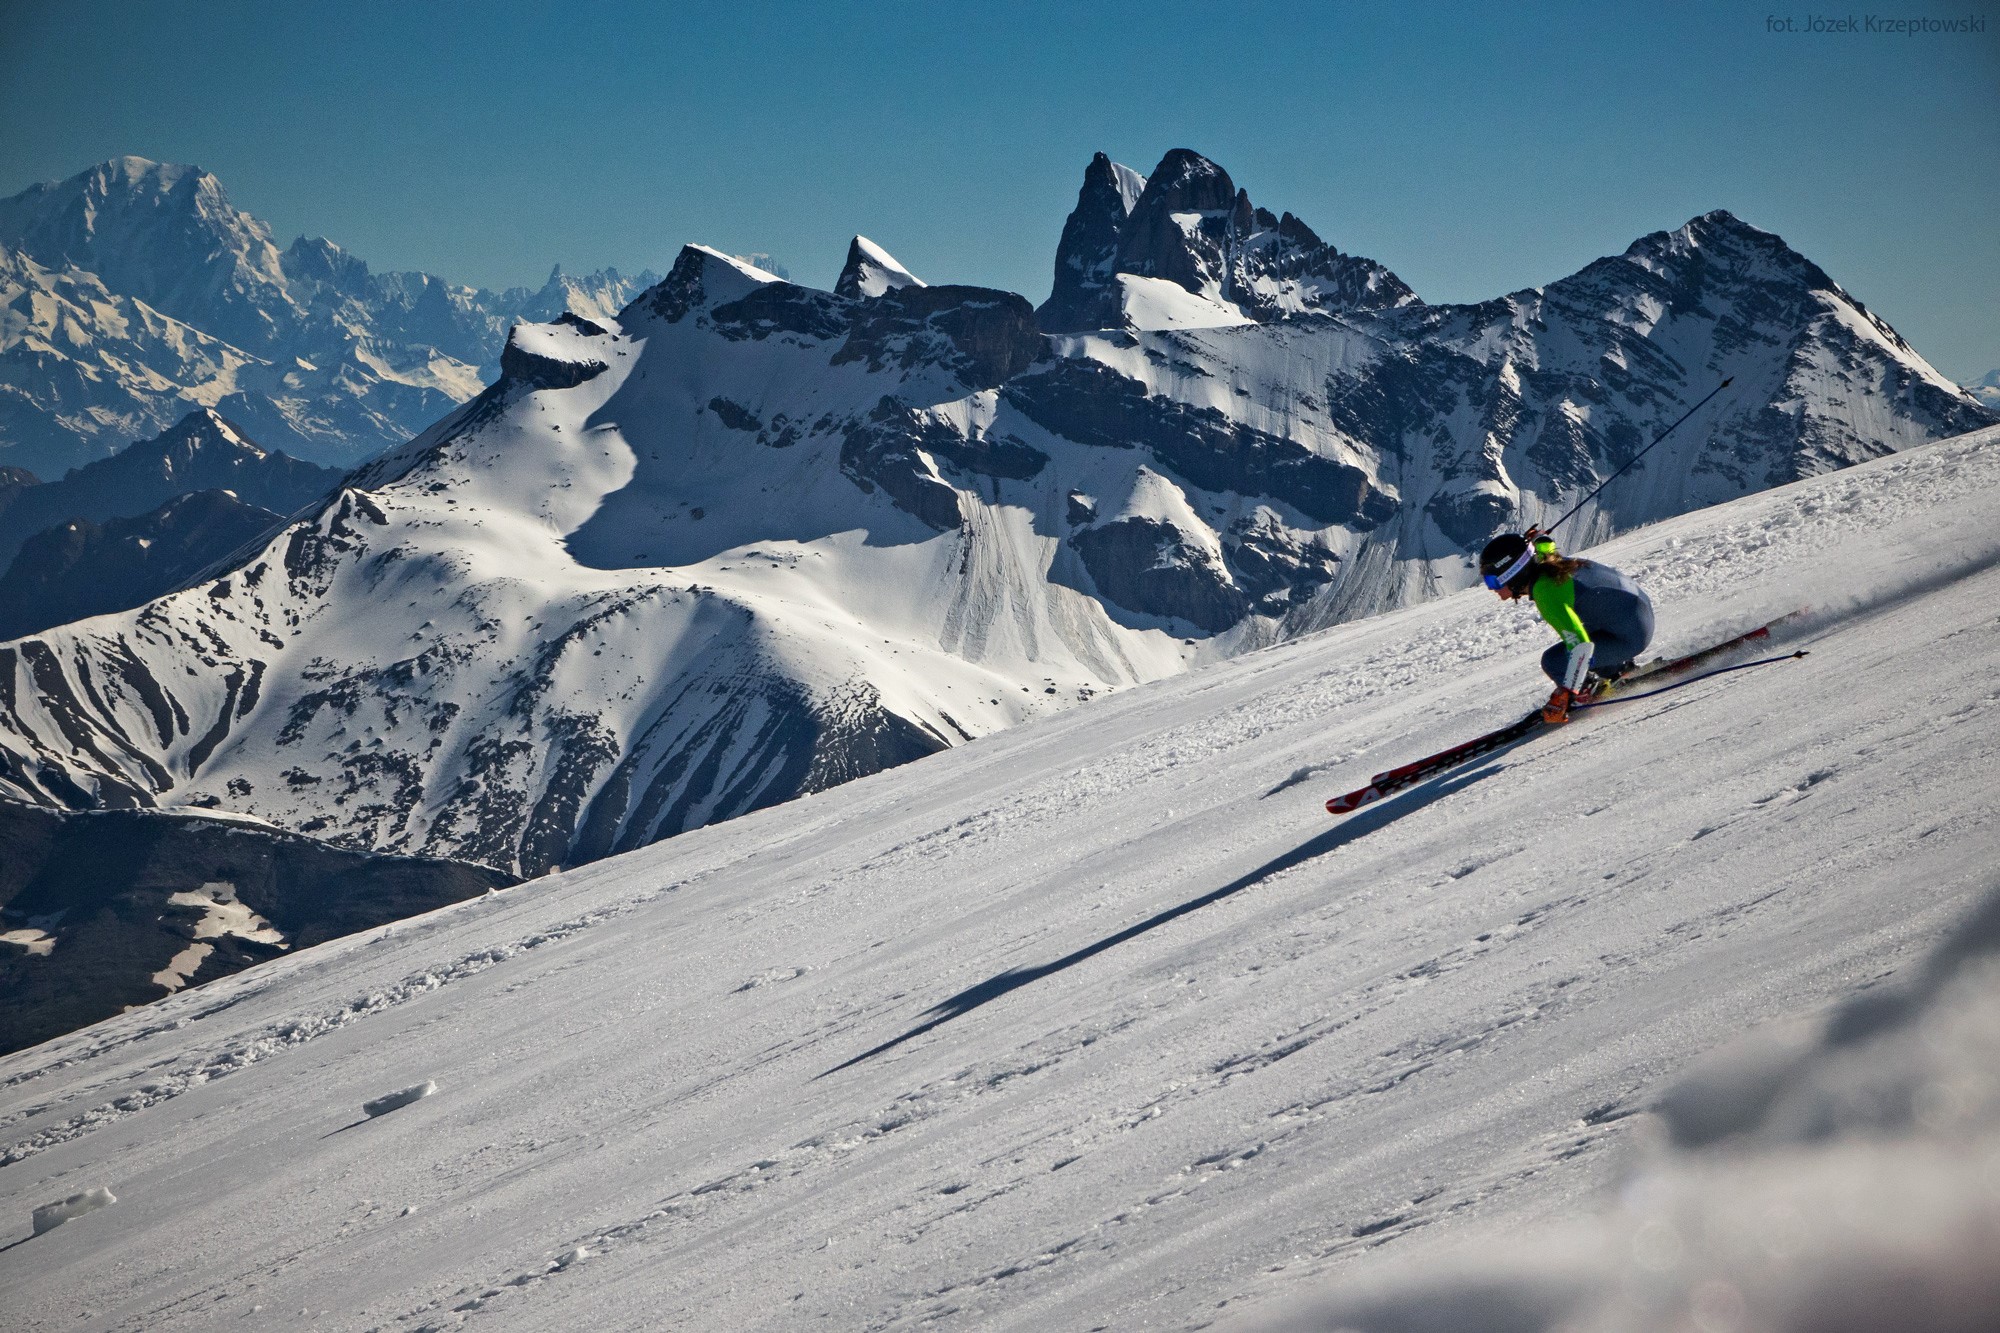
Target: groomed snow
x=1834, y=1174
x=1099, y=1021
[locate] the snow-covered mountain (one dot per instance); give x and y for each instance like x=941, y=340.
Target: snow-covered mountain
x=870, y=271
x=135, y=291
x=1987, y=389
x=1155, y=1042
x=749, y=540
x=664, y=571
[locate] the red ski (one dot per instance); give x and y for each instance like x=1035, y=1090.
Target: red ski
x=1384, y=784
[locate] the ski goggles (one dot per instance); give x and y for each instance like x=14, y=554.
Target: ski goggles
x=1506, y=576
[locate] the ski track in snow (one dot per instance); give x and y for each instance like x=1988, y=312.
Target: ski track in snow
x=1371, y=1035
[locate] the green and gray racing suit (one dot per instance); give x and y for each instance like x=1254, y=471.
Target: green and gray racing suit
x=1603, y=618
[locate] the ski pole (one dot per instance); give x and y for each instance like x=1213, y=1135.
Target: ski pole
x=1634, y=458
x=1691, y=680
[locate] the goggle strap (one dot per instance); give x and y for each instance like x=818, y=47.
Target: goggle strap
x=1508, y=575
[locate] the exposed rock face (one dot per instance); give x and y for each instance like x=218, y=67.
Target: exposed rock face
x=141, y=289
x=1276, y=564
x=1092, y=403
x=898, y=446
x=80, y=569
x=560, y=356
x=1149, y=565
x=986, y=337
x=201, y=452
x=1191, y=226
x=130, y=906
x=790, y=744
x=983, y=336
x=1084, y=295
x=1181, y=224
x=886, y=451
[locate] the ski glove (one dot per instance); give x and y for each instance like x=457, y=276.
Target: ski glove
x=1556, y=710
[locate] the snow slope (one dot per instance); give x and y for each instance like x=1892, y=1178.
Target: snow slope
x=1097, y=1022
x=1838, y=1173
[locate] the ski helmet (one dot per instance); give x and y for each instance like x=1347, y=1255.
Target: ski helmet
x=1505, y=559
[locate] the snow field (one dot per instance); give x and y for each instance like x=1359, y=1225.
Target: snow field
x=1187, y=1044
x=1837, y=1173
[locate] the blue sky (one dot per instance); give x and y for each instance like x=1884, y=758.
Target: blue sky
x=1474, y=150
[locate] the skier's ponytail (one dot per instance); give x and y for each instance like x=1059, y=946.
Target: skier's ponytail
x=1561, y=567
x=1548, y=560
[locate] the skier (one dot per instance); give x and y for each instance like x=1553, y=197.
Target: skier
x=1604, y=619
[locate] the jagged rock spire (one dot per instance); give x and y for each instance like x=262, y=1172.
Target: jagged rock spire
x=1193, y=226
x=1084, y=295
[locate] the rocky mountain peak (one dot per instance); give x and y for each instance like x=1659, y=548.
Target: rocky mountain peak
x=701, y=276
x=317, y=262
x=1084, y=295
x=1128, y=183
x=202, y=451
x=1718, y=266
x=1192, y=226
x=203, y=431
x=1186, y=181
x=870, y=271
x=1721, y=241
x=136, y=172
x=591, y=296
x=1182, y=223
x=122, y=181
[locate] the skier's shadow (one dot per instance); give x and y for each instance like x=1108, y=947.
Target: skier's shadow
x=1349, y=830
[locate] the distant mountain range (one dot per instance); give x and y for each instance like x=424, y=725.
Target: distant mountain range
x=744, y=539
x=136, y=292
x=129, y=528
x=202, y=451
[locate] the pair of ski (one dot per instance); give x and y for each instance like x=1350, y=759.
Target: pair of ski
x=1396, y=779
